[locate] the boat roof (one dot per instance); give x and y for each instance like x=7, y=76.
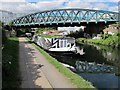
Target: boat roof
x=58, y=37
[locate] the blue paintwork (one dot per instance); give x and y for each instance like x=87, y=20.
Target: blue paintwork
x=65, y=16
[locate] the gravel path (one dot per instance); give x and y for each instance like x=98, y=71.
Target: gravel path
x=36, y=71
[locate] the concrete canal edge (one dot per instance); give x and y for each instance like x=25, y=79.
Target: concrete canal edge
x=74, y=78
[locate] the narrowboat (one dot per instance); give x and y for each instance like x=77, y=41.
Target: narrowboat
x=55, y=43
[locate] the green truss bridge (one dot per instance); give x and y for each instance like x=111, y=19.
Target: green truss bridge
x=66, y=17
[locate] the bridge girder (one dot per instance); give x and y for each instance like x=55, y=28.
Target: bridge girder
x=66, y=16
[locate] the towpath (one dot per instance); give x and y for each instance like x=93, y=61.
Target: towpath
x=36, y=71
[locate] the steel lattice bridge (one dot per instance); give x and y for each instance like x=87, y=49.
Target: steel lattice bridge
x=66, y=16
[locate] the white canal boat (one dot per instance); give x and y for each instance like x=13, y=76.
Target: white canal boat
x=56, y=44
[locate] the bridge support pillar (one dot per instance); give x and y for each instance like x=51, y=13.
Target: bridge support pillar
x=95, y=28
x=55, y=27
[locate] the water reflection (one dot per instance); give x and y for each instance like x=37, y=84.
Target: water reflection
x=92, y=67
x=100, y=80
x=79, y=51
x=111, y=54
x=99, y=64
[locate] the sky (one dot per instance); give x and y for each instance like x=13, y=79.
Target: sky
x=31, y=6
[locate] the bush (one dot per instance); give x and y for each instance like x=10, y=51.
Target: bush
x=4, y=38
x=109, y=40
x=105, y=36
x=10, y=63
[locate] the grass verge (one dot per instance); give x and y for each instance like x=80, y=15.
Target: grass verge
x=112, y=41
x=74, y=78
x=10, y=64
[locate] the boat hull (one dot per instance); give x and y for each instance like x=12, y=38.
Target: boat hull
x=59, y=44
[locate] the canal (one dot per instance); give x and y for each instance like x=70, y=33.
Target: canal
x=96, y=64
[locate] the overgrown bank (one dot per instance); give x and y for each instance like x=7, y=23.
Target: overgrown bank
x=10, y=53
x=74, y=78
x=112, y=41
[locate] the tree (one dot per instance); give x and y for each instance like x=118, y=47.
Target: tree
x=2, y=28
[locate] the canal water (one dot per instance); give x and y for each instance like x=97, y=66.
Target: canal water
x=96, y=64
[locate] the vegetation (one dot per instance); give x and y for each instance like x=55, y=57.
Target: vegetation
x=74, y=78
x=10, y=51
x=6, y=32
x=1, y=24
x=10, y=63
x=108, y=40
x=2, y=28
x=22, y=31
x=116, y=25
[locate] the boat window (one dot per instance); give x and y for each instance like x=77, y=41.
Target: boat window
x=65, y=43
x=61, y=43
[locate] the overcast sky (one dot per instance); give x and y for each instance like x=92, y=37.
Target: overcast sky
x=31, y=6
